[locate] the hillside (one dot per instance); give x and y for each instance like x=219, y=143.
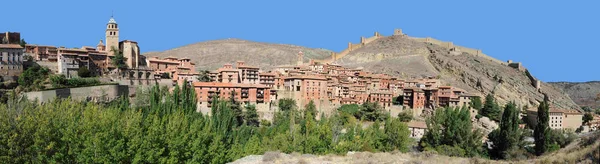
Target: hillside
x=396, y=55
x=407, y=57
x=211, y=55
x=584, y=94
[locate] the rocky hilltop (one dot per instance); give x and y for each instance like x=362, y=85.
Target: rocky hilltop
x=406, y=57
x=584, y=94
x=398, y=55
x=211, y=55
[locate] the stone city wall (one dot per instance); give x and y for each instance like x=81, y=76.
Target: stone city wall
x=450, y=45
x=82, y=93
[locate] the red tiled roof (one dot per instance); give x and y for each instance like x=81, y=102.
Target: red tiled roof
x=10, y=46
x=417, y=124
x=228, y=85
x=312, y=77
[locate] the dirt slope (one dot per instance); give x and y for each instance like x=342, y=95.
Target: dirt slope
x=213, y=54
x=404, y=57
x=584, y=94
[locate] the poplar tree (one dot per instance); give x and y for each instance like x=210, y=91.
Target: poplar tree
x=508, y=135
x=542, y=129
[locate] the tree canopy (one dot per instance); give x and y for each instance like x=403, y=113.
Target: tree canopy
x=542, y=129
x=490, y=109
x=450, y=132
x=164, y=127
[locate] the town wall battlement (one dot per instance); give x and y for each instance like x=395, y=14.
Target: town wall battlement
x=398, y=32
x=351, y=47
x=450, y=45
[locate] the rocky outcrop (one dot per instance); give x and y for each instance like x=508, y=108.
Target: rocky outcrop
x=408, y=58
x=584, y=94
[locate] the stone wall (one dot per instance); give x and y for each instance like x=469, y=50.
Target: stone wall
x=108, y=92
x=352, y=47
x=450, y=45
x=53, y=66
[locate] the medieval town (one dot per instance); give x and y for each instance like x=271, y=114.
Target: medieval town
x=122, y=70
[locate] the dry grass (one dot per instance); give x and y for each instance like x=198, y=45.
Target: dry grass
x=586, y=150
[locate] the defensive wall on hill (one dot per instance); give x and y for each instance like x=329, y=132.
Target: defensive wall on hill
x=351, y=47
x=398, y=32
x=450, y=45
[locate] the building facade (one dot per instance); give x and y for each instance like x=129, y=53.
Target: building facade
x=11, y=59
x=559, y=118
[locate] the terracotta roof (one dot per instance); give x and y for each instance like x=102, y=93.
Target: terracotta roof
x=565, y=111
x=266, y=74
x=34, y=45
x=312, y=77
x=10, y=46
x=245, y=66
x=417, y=124
x=228, y=85
x=162, y=61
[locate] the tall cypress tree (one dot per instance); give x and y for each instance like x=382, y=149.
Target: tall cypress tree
x=508, y=134
x=542, y=130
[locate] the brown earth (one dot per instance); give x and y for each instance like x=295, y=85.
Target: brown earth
x=584, y=94
x=211, y=55
x=395, y=55
x=405, y=57
x=585, y=150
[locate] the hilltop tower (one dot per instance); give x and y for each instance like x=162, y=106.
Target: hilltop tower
x=300, y=58
x=112, y=36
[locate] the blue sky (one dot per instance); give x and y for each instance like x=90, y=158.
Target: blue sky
x=556, y=41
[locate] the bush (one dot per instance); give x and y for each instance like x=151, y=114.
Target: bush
x=405, y=116
x=84, y=72
x=60, y=81
x=32, y=78
x=450, y=151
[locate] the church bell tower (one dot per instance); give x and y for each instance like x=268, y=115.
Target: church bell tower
x=112, y=36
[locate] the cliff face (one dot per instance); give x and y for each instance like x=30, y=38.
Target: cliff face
x=584, y=94
x=408, y=58
x=213, y=54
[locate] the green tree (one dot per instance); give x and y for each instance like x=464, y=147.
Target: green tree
x=287, y=104
x=236, y=108
x=451, y=128
x=491, y=109
x=32, y=78
x=587, y=117
x=371, y=111
x=251, y=116
x=397, y=135
x=310, y=110
x=542, y=130
x=84, y=72
x=119, y=60
x=22, y=43
x=508, y=136
x=204, y=76
x=405, y=116
x=476, y=103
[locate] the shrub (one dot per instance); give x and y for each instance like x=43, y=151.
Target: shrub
x=84, y=72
